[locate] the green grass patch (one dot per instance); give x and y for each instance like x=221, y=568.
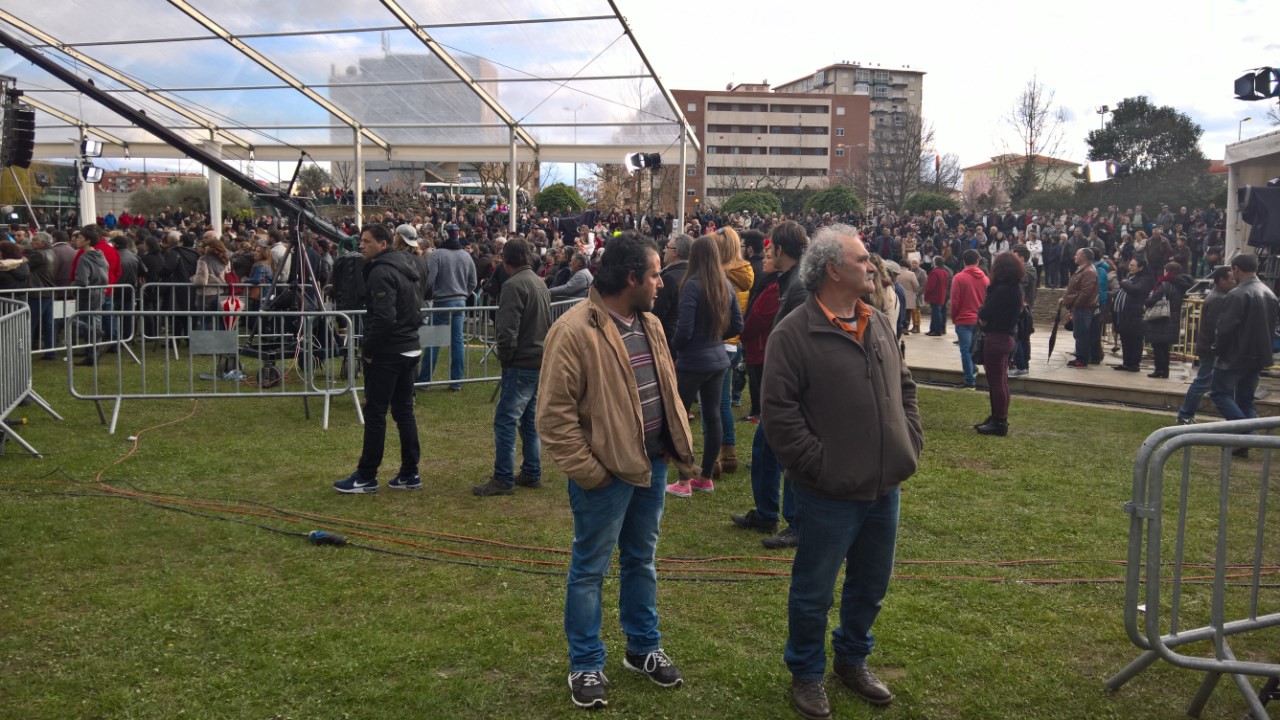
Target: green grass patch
x=115, y=609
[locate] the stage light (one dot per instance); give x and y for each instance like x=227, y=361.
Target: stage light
x=641, y=161
x=91, y=173
x=90, y=148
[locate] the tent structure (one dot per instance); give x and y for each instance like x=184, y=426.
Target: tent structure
x=349, y=80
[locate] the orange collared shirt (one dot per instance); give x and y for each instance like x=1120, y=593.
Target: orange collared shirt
x=859, y=324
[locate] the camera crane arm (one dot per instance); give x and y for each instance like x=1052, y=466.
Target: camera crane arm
x=277, y=199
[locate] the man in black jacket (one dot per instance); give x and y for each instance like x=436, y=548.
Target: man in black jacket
x=675, y=258
x=1246, y=325
x=524, y=316
x=391, y=349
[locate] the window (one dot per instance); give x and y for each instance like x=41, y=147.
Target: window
x=844, y=89
x=899, y=120
x=691, y=171
x=862, y=76
x=839, y=172
x=839, y=152
x=840, y=111
x=691, y=192
x=839, y=132
x=880, y=92
x=691, y=107
x=711, y=149
x=881, y=76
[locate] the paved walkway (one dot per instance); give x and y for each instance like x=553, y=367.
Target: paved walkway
x=937, y=360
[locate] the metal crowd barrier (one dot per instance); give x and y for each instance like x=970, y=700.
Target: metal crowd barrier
x=1209, y=541
x=50, y=307
x=1192, y=308
x=230, y=355
x=15, y=368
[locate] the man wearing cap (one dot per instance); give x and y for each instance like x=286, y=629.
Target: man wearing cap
x=408, y=243
x=451, y=275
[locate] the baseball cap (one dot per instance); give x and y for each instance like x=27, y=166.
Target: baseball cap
x=408, y=235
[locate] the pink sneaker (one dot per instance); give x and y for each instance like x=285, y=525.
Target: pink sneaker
x=702, y=485
x=679, y=489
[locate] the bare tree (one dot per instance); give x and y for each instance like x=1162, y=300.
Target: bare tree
x=894, y=167
x=1273, y=114
x=940, y=173
x=495, y=178
x=1038, y=124
x=343, y=174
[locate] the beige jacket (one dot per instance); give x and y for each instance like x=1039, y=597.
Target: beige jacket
x=589, y=416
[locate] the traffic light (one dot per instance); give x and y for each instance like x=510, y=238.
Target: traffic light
x=1258, y=85
x=18, y=143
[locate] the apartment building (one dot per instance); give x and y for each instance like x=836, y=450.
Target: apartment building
x=753, y=137
x=893, y=92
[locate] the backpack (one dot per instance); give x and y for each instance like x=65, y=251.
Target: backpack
x=348, y=282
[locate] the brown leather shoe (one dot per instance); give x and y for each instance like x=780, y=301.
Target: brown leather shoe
x=861, y=680
x=809, y=698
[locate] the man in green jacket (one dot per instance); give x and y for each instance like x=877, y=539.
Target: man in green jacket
x=524, y=316
x=839, y=409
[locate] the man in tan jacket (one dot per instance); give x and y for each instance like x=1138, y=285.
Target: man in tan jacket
x=609, y=416
x=1081, y=299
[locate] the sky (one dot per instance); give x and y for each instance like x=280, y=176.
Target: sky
x=1088, y=52
x=979, y=56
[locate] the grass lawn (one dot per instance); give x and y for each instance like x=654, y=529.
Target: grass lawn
x=112, y=608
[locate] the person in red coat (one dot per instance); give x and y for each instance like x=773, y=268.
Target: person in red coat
x=936, y=292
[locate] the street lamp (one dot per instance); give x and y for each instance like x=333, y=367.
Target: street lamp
x=1240, y=128
x=1102, y=111
x=575, y=110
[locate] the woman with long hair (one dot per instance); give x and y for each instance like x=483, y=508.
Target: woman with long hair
x=708, y=315
x=999, y=319
x=742, y=277
x=210, y=279
x=1162, y=332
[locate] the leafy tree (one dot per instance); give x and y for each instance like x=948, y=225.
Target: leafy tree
x=1162, y=146
x=1056, y=200
x=190, y=194
x=760, y=202
x=925, y=201
x=794, y=201
x=311, y=180
x=838, y=199
x=557, y=197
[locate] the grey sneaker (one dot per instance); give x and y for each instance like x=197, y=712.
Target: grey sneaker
x=493, y=487
x=528, y=482
x=656, y=665
x=587, y=689
x=785, y=539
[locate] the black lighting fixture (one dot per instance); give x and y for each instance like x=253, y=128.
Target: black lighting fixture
x=90, y=148
x=642, y=161
x=90, y=173
x=1260, y=84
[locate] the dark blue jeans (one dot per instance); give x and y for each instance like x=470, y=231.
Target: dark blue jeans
x=938, y=319
x=965, y=334
x=1232, y=392
x=859, y=535
x=766, y=471
x=388, y=383
x=42, y=337
x=1199, y=386
x=624, y=516
x=1082, y=332
x=517, y=407
x=457, y=357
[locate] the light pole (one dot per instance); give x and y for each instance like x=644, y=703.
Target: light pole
x=575, y=110
x=1102, y=111
x=1240, y=128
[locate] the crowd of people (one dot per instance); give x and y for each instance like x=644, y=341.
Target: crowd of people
x=805, y=314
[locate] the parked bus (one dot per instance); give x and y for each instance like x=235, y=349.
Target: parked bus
x=472, y=189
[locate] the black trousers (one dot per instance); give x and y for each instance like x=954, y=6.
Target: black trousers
x=388, y=383
x=1131, y=349
x=754, y=375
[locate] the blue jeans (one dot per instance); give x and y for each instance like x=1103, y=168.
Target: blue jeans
x=965, y=333
x=1232, y=392
x=1082, y=332
x=938, y=319
x=1199, y=386
x=517, y=406
x=457, y=357
x=1021, y=353
x=622, y=515
x=726, y=411
x=833, y=533
x=766, y=471
x=42, y=322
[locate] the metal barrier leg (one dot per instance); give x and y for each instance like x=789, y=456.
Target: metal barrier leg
x=115, y=417
x=8, y=432
x=324, y=424
x=44, y=405
x=1202, y=694
x=1132, y=670
x=102, y=417
x=306, y=406
x=355, y=396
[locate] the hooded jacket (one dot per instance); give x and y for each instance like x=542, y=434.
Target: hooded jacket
x=968, y=288
x=742, y=277
x=393, y=309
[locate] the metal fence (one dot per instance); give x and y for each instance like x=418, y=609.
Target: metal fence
x=50, y=307
x=15, y=369
x=1221, y=559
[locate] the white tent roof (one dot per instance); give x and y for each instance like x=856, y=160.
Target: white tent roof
x=437, y=80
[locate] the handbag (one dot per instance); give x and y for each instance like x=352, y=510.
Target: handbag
x=1159, y=311
x=979, y=341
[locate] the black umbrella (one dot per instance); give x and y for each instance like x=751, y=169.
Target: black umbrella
x=1053, y=335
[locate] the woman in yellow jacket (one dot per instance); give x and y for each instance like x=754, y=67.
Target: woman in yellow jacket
x=741, y=277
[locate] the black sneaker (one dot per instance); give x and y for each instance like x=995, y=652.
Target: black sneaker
x=657, y=666
x=356, y=485
x=785, y=539
x=406, y=482
x=528, y=482
x=588, y=689
x=751, y=520
x=493, y=487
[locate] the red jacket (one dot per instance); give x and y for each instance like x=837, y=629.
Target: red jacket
x=758, y=323
x=113, y=262
x=935, y=287
x=968, y=290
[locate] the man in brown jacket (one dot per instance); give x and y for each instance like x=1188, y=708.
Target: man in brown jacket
x=611, y=419
x=1081, y=299
x=839, y=408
